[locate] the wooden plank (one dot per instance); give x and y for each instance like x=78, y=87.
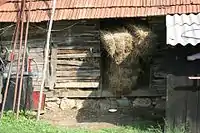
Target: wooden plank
x=34, y=43
x=71, y=62
x=192, y=102
x=77, y=80
x=83, y=55
x=198, y=109
x=36, y=50
x=76, y=28
x=63, y=79
x=77, y=34
x=64, y=43
x=77, y=85
x=67, y=68
x=53, y=66
x=1, y=86
x=72, y=94
x=176, y=110
x=76, y=93
x=81, y=73
x=76, y=63
x=72, y=51
x=74, y=40
x=79, y=47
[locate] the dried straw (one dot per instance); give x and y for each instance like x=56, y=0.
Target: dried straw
x=143, y=40
x=118, y=44
x=125, y=47
x=109, y=42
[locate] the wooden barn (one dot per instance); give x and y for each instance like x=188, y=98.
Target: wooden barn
x=76, y=67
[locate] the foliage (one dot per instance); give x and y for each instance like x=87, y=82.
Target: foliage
x=26, y=124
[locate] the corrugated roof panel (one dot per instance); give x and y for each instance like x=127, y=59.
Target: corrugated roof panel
x=183, y=29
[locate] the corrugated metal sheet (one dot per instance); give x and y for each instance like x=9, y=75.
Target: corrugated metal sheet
x=87, y=9
x=183, y=29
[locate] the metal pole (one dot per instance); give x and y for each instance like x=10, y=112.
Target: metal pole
x=10, y=69
x=23, y=63
x=19, y=55
x=46, y=59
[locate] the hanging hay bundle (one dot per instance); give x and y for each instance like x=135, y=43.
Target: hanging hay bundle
x=118, y=44
x=125, y=46
x=109, y=42
x=121, y=79
x=142, y=40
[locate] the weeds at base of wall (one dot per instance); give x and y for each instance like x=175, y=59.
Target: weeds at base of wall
x=181, y=128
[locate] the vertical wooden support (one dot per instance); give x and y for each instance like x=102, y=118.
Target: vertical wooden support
x=1, y=87
x=46, y=59
x=178, y=93
x=29, y=90
x=53, y=66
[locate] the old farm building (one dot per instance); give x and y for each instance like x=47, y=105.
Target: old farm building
x=113, y=49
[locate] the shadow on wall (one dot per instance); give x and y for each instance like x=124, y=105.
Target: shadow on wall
x=183, y=93
x=121, y=80
x=128, y=111
x=182, y=104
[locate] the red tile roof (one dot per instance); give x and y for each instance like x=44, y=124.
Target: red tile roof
x=91, y=9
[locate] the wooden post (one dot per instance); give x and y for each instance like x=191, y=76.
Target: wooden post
x=23, y=60
x=1, y=86
x=53, y=66
x=46, y=58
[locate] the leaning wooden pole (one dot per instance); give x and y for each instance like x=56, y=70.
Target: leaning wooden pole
x=10, y=68
x=19, y=52
x=46, y=59
x=18, y=57
x=23, y=63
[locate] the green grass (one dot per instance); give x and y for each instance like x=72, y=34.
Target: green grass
x=29, y=125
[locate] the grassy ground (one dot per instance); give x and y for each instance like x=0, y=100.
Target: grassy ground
x=28, y=125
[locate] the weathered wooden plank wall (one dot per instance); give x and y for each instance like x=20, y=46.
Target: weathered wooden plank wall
x=74, y=54
x=74, y=58
x=157, y=74
x=182, y=93
x=78, y=60
x=36, y=42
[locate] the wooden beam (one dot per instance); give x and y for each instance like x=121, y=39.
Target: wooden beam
x=74, y=68
x=76, y=93
x=53, y=66
x=81, y=73
x=71, y=62
x=83, y=55
x=63, y=79
x=1, y=86
x=79, y=47
x=77, y=85
x=74, y=63
x=72, y=51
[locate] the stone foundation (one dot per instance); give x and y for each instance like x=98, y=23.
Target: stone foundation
x=104, y=104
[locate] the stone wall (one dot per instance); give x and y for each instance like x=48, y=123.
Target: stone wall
x=145, y=107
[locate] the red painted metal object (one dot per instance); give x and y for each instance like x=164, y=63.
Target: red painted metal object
x=35, y=99
x=33, y=104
